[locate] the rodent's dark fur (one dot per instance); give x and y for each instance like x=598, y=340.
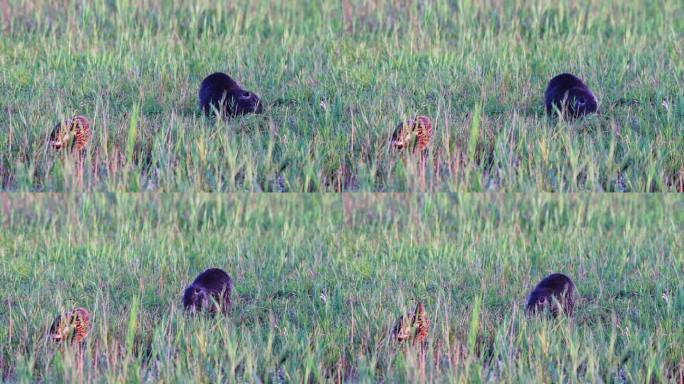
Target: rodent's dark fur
x=555, y=291
x=227, y=96
x=570, y=95
x=210, y=291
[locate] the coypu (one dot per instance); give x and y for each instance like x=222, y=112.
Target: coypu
x=210, y=291
x=555, y=291
x=220, y=91
x=570, y=95
x=71, y=326
x=73, y=133
x=414, y=134
x=416, y=326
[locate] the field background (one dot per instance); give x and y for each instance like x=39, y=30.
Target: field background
x=336, y=78
x=128, y=258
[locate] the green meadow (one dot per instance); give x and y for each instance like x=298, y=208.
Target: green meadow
x=320, y=280
x=336, y=77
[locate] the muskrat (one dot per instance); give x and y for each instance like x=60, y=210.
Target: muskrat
x=415, y=326
x=72, y=134
x=414, y=134
x=71, y=326
x=570, y=95
x=210, y=291
x=220, y=91
x=555, y=291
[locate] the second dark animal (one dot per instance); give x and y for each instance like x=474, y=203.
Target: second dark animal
x=555, y=292
x=570, y=95
x=220, y=91
x=211, y=291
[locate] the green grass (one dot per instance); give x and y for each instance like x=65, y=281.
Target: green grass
x=471, y=258
x=336, y=77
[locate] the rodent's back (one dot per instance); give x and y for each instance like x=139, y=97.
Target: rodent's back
x=213, y=279
x=557, y=282
x=213, y=88
x=558, y=86
x=572, y=87
x=212, y=284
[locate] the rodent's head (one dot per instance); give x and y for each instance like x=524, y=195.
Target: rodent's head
x=543, y=298
x=245, y=102
x=581, y=101
x=195, y=299
x=61, y=327
x=62, y=134
x=403, y=134
x=538, y=300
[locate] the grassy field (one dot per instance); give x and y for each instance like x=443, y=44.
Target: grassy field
x=321, y=279
x=336, y=78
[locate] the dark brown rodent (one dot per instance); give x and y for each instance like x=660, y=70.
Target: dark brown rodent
x=210, y=291
x=570, y=95
x=220, y=91
x=555, y=291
